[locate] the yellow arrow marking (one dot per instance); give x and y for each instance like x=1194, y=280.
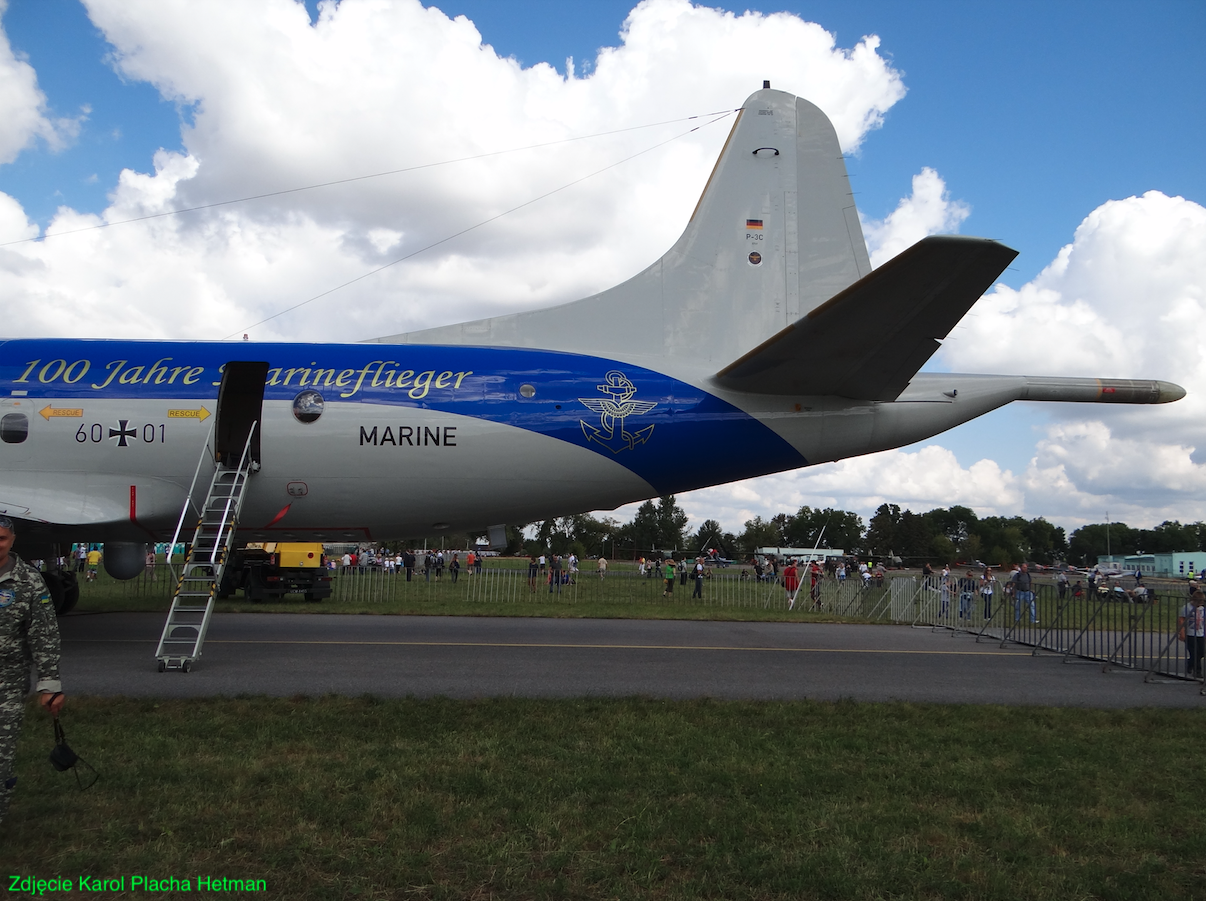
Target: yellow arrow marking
x=61, y=411
x=202, y=414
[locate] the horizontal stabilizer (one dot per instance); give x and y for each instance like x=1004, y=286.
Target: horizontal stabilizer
x=869, y=340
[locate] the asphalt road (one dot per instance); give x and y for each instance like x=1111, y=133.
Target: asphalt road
x=467, y=657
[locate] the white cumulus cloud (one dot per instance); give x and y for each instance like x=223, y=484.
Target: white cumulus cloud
x=276, y=102
x=1125, y=299
x=919, y=479
x=928, y=210
x=23, y=106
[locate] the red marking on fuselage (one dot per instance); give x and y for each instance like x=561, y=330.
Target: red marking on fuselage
x=134, y=512
x=279, y=516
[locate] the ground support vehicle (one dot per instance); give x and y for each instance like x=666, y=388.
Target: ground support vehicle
x=270, y=569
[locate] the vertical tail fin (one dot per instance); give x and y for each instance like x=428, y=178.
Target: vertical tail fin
x=775, y=234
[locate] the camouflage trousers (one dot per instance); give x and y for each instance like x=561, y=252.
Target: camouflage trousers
x=12, y=709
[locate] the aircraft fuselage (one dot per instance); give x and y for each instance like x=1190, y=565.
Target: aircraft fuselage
x=358, y=441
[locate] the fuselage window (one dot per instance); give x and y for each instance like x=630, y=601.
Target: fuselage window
x=14, y=428
x=308, y=406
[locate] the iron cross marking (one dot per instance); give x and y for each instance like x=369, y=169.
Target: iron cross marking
x=121, y=433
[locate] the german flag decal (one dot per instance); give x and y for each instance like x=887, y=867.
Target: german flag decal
x=755, y=224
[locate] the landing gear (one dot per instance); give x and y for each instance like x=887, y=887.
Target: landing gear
x=64, y=590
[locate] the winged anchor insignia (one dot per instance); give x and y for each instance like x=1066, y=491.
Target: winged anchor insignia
x=613, y=410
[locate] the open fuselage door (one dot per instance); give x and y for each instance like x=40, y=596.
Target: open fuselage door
x=240, y=407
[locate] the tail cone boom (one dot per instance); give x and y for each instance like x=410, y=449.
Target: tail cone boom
x=1101, y=391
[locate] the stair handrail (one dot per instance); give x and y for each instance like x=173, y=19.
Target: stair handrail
x=240, y=474
x=188, y=498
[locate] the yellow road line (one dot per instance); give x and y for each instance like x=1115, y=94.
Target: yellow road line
x=604, y=647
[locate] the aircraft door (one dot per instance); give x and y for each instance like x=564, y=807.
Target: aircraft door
x=240, y=405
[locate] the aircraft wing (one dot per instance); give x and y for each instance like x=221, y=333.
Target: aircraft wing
x=868, y=341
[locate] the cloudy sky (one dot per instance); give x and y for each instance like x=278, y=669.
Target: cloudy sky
x=1073, y=132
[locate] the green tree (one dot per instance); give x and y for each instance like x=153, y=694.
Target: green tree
x=970, y=549
x=593, y=535
x=711, y=535
x=942, y=548
x=883, y=529
x=1006, y=538
x=914, y=539
x=1090, y=542
x=657, y=526
x=1046, y=543
x=671, y=523
x=642, y=531
x=758, y=533
x=825, y=528
x=956, y=523
x=1169, y=537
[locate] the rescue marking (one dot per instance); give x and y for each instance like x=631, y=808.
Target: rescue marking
x=65, y=412
x=201, y=414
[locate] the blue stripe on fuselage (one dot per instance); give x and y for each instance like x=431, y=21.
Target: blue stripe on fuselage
x=687, y=439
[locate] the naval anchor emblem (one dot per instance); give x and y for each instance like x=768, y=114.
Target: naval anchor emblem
x=613, y=410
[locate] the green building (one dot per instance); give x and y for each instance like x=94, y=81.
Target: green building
x=1175, y=565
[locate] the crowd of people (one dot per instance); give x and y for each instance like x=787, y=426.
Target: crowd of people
x=432, y=565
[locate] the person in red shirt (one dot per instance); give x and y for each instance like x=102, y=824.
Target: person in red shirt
x=791, y=582
x=814, y=585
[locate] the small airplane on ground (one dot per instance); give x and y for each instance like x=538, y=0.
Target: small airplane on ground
x=762, y=341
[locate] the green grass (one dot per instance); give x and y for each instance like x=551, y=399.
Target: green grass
x=634, y=798
x=506, y=592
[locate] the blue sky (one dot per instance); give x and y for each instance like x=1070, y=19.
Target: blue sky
x=1033, y=112
x=1034, y=115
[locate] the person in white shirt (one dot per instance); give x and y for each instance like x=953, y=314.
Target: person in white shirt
x=988, y=585
x=699, y=578
x=1191, y=629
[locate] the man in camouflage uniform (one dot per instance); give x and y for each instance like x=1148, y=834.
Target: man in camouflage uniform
x=28, y=633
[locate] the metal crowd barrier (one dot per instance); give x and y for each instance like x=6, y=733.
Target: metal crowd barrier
x=155, y=581
x=1102, y=626
x=508, y=582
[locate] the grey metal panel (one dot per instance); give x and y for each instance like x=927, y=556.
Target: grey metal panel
x=705, y=303
x=832, y=254
x=791, y=250
x=858, y=243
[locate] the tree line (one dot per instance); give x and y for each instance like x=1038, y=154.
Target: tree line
x=942, y=535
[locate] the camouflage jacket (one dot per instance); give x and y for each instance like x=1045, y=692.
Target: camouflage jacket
x=29, y=631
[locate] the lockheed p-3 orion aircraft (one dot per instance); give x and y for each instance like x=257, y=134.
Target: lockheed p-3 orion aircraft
x=762, y=341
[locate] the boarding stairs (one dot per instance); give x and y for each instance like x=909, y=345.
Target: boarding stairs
x=205, y=561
